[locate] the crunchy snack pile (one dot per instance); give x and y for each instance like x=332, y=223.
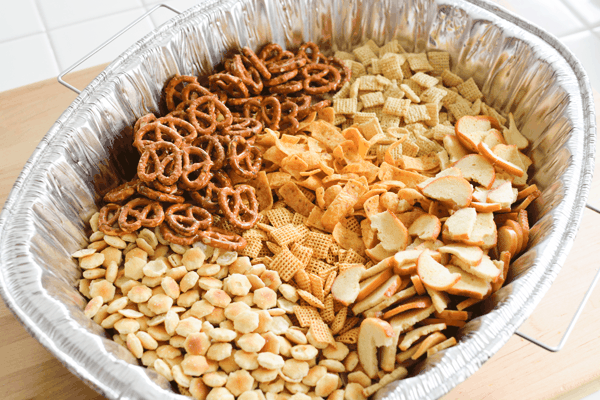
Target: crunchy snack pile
x=370, y=228
x=191, y=157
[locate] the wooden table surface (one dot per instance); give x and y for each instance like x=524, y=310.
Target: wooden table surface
x=520, y=370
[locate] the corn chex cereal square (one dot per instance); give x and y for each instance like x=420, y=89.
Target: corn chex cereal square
x=451, y=79
x=439, y=60
x=352, y=257
x=424, y=80
x=253, y=247
x=418, y=62
x=306, y=315
x=286, y=264
x=469, y=90
x=298, y=219
x=302, y=253
x=302, y=279
x=391, y=67
x=372, y=99
x=280, y=216
x=321, y=332
x=285, y=234
x=320, y=243
x=396, y=107
x=364, y=54
x=345, y=106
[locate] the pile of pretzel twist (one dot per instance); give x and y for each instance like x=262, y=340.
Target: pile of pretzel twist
x=190, y=157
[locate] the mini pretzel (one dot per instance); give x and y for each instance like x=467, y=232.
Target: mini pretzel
x=287, y=65
x=122, y=192
x=237, y=102
x=145, y=120
x=256, y=62
x=270, y=53
x=344, y=70
x=326, y=78
x=289, y=124
x=244, y=127
x=140, y=217
x=251, y=78
x=193, y=91
x=303, y=103
x=222, y=239
x=109, y=215
x=159, y=195
x=208, y=197
x=270, y=112
x=313, y=55
x=213, y=147
x=230, y=84
x=169, y=189
x=174, y=87
x=320, y=105
x=172, y=237
x=246, y=160
x=185, y=129
x=289, y=109
x=196, y=162
x=252, y=109
x=203, y=114
x=279, y=79
x=287, y=87
x=234, y=208
x=156, y=132
x=194, y=218
x=162, y=161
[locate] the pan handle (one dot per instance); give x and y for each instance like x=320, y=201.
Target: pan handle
x=103, y=45
x=563, y=340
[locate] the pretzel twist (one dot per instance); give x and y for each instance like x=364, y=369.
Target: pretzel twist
x=244, y=158
x=188, y=224
x=196, y=168
x=140, y=216
x=162, y=161
x=222, y=239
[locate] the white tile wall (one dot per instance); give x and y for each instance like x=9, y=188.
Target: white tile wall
x=40, y=38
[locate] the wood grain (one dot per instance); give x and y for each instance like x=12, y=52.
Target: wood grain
x=520, y=370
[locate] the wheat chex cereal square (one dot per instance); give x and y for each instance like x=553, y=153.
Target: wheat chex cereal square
x=469, y=90
x=343, y=92
x=389, y=121
x=364, y=54
x=343, y=55
x=362, y=117
x=396, y=107
x=433, y=112
x=460, y=109
x=345, y=106
x=433, y=95
x=424, y=80
x=391, y=67
x=451, y=79
x=370, y=128
x=410, y=93
x=391, y=47
x=418, y=62
x=370, y=82
x=372, y=99
x=439, y=60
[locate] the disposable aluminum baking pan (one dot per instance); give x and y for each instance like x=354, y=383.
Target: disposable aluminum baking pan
x=520, y=68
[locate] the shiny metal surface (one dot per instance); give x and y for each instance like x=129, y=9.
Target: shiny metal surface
x=520, y=68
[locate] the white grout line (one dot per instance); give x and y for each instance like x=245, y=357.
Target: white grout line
x=37, y=10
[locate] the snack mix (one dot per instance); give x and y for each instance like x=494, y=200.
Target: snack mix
x=308, y=227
